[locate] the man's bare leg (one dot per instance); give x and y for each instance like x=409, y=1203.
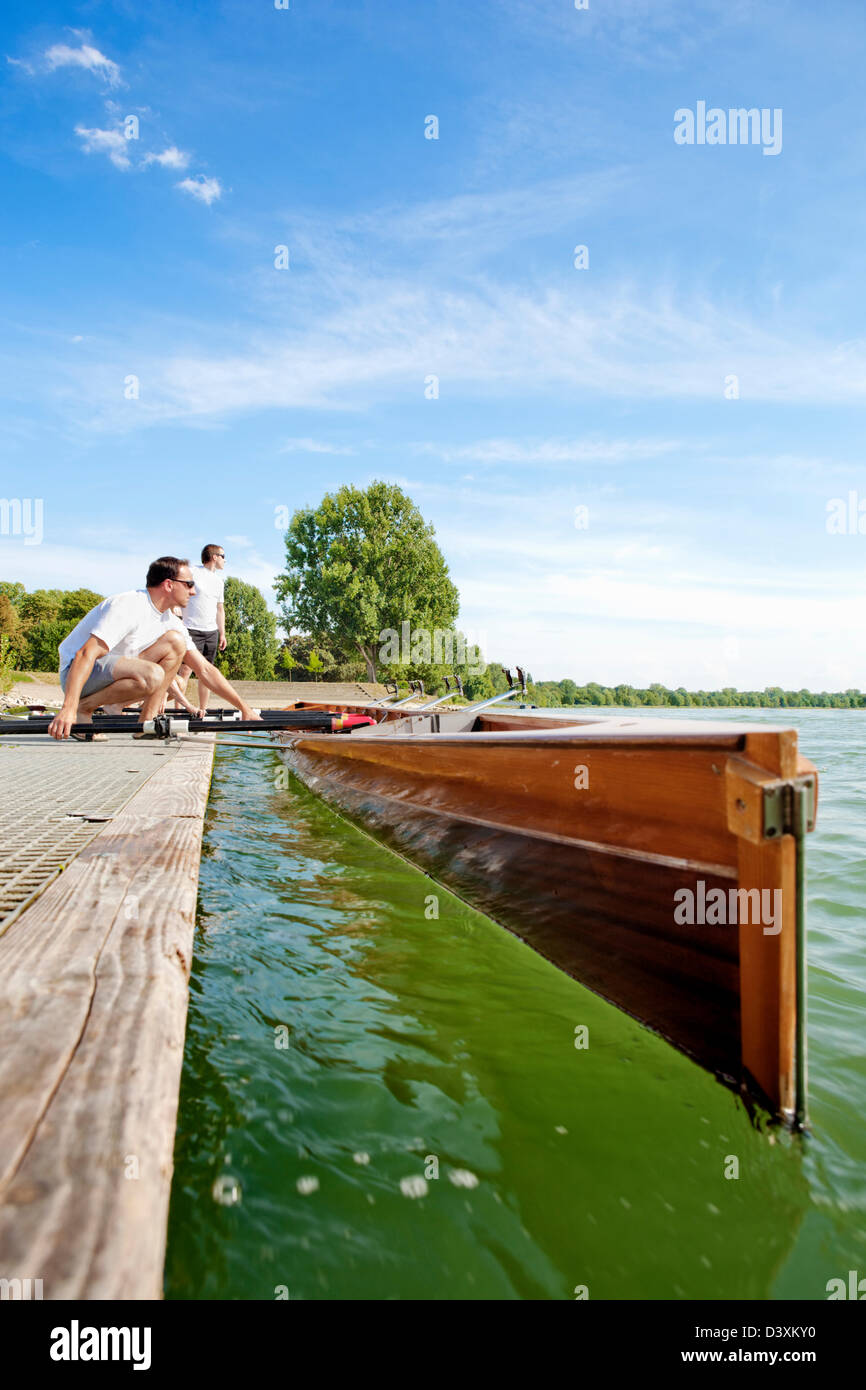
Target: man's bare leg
x=210, y=678
x=181, y=681
x=203, y=695
x=129, y=690
x=167, y=654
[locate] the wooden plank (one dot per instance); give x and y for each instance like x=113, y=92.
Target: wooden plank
x=93, y=1001
x=768, y=973
x=656, y=799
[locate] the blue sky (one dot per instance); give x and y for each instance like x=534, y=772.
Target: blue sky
x=706, y=558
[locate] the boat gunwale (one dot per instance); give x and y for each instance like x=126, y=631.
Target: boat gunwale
x=543, y=737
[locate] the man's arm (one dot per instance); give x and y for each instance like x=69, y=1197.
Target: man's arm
x=208, y=674
x=221, y=625
x=80, y=668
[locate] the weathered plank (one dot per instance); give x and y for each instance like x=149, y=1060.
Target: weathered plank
x=93, y=1001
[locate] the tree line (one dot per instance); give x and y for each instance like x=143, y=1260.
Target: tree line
x=35, y=624
x=361, y=564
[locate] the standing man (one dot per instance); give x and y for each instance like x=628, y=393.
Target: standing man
x=205, y=616
x=130, y=646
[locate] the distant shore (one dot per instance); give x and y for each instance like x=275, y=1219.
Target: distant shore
x=43, y=688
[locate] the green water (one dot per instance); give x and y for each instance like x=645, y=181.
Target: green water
x=418, y=1044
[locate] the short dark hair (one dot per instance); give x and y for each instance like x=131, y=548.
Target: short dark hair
x=166, y=567
x=209, y=551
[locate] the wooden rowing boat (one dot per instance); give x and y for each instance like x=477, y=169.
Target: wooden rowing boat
x=627, y=850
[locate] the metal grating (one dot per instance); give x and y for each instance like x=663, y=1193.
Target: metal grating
x=54, y=798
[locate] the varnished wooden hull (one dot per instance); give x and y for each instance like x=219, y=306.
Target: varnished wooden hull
x=582, y=839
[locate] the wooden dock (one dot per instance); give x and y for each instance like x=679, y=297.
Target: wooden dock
x=93, y=1002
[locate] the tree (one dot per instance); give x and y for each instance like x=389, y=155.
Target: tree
x=251, y=634
x=40, y=606
x=287, y=661
x=361, y=564
x=39, y=643
x=8, y=658
x=13, y=590
x=75, y=603
x=316, y=665
x=10, y=623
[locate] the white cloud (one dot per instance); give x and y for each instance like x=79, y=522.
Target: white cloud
x=87, y=57
x=491, y=218
x=171, y=158
x=110, y=142
x=551, y=451
x=381, y=342
x=313, y=446
x=206, y=190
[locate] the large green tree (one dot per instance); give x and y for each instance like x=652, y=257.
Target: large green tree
x=361, y=563
x=251, y=634
x=12, y=589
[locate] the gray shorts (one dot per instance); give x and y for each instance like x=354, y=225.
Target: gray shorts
x=101, y=675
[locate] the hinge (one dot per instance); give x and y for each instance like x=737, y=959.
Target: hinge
x=780, y=810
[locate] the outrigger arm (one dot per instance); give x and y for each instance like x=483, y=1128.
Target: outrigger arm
x=518, y=688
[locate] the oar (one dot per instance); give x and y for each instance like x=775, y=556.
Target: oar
x=167, y=726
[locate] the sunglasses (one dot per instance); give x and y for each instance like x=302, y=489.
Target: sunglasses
x=190, y=583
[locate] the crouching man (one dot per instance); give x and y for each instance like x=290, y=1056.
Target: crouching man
x=130, y=647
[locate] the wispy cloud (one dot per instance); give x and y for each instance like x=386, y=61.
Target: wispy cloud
x=646, y=33
x=383, y=340
x=110, y=142
x=60, y=55
x=171, y=158
x=489, y=218
x=550, y=451
x=205, y=189
x=313, y=446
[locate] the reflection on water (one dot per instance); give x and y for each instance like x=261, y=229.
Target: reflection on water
x=381, y=1103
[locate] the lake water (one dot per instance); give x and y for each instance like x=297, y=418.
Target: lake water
x=418, y=1046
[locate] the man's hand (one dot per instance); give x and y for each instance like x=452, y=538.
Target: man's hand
x=223, y=644
x=62, y=723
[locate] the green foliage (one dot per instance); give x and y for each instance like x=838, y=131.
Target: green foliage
x=13, y=590
x=75, y=603
x=557, y=694
x=287, y=662
x=315, y=665
x=41, y=606
x=8, y=664
x=251, y=640
x=10, y=623
x=362, y=562
x=41, y=641
x=37, y=623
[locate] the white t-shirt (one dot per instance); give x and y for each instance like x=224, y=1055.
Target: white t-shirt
x=127, y=624
x=201, y=611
